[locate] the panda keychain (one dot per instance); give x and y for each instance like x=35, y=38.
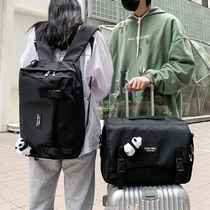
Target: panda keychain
x=131, y=147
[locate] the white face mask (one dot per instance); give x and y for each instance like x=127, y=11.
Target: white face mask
x=131, y=5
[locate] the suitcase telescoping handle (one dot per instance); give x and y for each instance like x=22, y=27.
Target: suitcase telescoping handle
x=151, y=86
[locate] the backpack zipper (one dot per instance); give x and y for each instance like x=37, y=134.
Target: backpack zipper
x=54, y=111
x=53, y=123
x=48, y=73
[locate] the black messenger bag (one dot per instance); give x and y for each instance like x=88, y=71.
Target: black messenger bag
x=165, y=156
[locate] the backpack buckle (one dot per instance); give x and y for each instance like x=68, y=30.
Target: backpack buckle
x=52, y=151
x=54, y=94
x=179, y=166
x=121, y=166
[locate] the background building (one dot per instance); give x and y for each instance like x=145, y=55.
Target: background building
x=16, y=16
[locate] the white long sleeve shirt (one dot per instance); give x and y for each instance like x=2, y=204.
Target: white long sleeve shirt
x=98, y=66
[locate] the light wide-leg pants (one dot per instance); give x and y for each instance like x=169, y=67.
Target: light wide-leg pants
x=79, y=182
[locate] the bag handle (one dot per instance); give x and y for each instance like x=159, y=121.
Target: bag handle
x=151, y=86
x=147, y=117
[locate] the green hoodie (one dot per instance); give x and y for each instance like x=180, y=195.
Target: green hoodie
x=163, y=55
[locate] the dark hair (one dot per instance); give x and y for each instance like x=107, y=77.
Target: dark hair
x=64, y=18
x=148, y=2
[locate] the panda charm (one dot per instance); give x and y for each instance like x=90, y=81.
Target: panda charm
x=131, y=147
x=22, y=147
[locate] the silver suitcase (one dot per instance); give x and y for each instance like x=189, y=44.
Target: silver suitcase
x=162, y=197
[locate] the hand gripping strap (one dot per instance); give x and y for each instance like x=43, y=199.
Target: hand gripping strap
x=80, y=42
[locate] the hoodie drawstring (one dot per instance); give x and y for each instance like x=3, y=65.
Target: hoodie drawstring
x=138, y=32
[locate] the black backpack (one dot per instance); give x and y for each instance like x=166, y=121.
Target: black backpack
x=51, y=100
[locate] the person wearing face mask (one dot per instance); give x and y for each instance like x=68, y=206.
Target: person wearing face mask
x=150, y=46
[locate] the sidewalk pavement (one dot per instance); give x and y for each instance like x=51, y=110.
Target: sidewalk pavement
x=14, y=172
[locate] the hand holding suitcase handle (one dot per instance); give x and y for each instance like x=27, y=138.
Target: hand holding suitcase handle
x=151, y=86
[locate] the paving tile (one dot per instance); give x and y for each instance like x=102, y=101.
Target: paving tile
x=98, y=206
x=200, y=206
x=60, y=207
x=19, y=202
x=7, y=179
x=208, y=187
x=13, y=196
x=59, y=201
x=7, y=206
x=206, y=202
x=8, y=190
x=196, y=197
x=3, y=175
x=59, y=192
x=202, y=191
x=2, y=200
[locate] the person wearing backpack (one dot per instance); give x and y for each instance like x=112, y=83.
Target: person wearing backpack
x=64, y=22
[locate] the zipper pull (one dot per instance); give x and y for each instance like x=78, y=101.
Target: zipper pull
x=47, y=74
x=192, y=153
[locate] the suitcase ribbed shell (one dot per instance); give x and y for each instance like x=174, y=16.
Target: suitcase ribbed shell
x=164, y=197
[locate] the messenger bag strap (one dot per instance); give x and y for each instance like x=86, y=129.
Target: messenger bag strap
x=121, y=168
x=179, y=166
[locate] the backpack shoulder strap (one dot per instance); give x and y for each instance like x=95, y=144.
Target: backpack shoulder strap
x=80, y=42
x=43, y=49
